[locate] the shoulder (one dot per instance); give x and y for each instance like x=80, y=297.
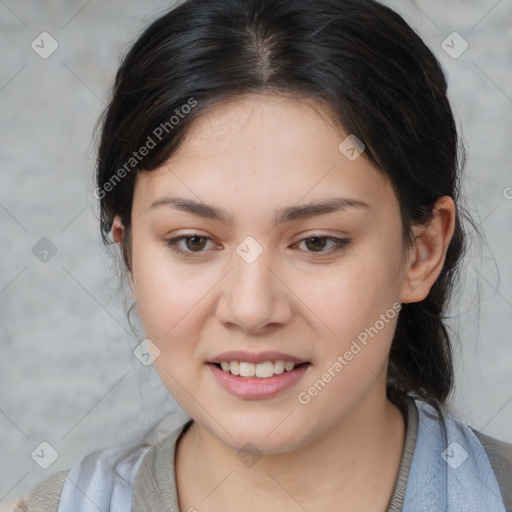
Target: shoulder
x=476, y=468
x=106, y=474
x=101, y=474
x=500, y=451
x=500, y=457
x=45, y=496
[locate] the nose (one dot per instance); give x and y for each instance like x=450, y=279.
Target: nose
x=254, y=296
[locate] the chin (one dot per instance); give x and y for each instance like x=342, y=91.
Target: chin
x=261, y=436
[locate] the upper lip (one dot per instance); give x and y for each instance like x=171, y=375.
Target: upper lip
x=251, y=357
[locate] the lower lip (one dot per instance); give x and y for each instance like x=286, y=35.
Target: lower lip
x=254, y=387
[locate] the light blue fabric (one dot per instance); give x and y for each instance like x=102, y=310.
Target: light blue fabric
x=449, y=476
x=93, y=486
x=445, y=476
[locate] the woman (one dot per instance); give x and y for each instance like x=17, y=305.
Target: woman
x=282, y=179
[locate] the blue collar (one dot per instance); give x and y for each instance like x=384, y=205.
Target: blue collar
x=452, y=474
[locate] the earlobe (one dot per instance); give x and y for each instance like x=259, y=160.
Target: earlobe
x=429, y=251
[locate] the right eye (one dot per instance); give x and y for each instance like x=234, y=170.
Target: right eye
x=194, y=241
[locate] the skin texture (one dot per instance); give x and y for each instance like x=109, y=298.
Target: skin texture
x=250, y=156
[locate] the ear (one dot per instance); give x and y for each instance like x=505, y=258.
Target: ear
x=118, y=233
x=429, y=251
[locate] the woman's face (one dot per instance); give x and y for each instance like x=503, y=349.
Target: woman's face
x=264, y=281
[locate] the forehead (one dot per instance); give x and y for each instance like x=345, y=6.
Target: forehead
x=263, y=152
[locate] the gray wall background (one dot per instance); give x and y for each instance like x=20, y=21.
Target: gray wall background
x=67, y=372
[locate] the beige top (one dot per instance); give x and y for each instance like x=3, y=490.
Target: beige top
x=154, y=489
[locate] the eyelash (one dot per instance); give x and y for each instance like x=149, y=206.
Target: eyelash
x=172, y=244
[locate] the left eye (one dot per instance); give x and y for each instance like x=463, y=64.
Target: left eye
x=197, y=241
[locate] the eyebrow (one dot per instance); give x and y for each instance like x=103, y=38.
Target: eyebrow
x=282, y=215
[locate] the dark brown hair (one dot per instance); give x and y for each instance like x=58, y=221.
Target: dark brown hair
x=360, y=59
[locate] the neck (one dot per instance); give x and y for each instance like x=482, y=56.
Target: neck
x=354, y=464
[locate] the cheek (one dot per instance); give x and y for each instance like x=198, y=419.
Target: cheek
x=361, y=310
x=358, y=309
x=353, y=295
x=168, y=303
x=167, y=295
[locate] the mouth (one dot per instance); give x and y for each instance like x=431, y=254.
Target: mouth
x=258, y=381
x=264, y=370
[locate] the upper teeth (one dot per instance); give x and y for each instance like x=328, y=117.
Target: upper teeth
x=262, y=370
